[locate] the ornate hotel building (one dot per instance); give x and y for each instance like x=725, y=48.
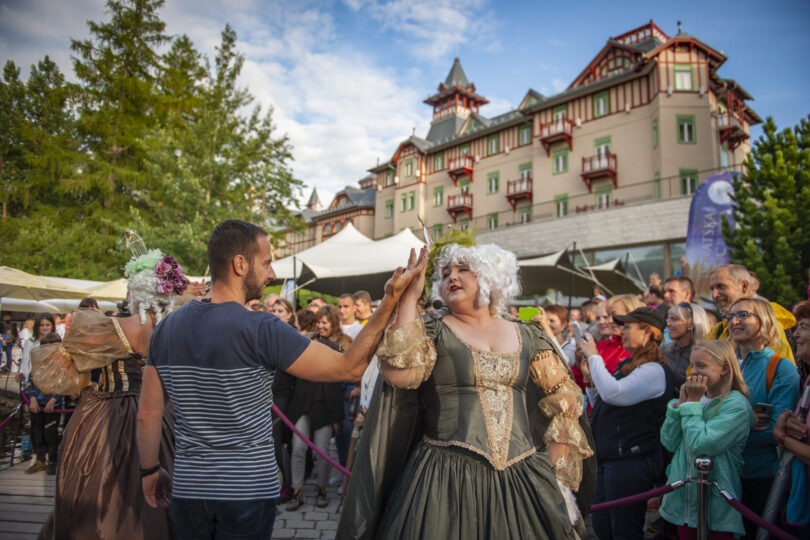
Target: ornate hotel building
x=610, y=162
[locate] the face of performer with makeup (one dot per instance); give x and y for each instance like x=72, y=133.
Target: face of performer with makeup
x=459, y=286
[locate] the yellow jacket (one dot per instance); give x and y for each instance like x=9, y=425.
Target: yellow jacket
x=786, y=320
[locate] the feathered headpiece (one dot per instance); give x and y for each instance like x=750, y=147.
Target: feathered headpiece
x=453, y=236
x=153, y=278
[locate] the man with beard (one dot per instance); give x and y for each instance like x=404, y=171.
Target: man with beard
x=216, y=361
x=731, y=282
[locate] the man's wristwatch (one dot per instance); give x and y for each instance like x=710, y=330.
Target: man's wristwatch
x=149, y=471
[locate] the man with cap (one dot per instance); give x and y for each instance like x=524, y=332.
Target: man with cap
x=629, y=407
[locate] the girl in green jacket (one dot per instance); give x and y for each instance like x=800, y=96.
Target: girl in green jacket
x=712, y=418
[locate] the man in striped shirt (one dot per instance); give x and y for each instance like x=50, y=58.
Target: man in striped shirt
x=215, y=360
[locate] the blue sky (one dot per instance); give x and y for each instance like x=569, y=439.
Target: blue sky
x=347, y=77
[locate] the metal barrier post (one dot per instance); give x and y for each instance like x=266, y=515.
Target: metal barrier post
x=704, y=466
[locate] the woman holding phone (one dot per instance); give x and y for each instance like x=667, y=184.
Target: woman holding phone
x=773, y=387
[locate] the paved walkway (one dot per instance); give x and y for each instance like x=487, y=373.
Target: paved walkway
x=309, y=521
x=26, y=501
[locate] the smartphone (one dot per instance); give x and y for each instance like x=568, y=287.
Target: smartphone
x=763, y=408
x=577, y=331
x=527, y=313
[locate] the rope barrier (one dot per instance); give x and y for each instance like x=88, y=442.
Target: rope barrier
x=751, y=516
x=309, y=443
x=27, y=401
x=7, y=420
x=639, y=497
x=737, y=505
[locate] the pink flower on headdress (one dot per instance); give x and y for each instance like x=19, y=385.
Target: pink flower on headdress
x=165, y=287
x=162, y=268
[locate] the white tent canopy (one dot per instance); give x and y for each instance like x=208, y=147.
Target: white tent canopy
x=349, y=261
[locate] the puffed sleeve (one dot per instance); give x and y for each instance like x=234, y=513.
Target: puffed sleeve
x=410, y=346
x=93, y=341
x=563, y=405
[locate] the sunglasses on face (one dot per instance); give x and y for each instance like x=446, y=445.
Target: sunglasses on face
x=739, y=316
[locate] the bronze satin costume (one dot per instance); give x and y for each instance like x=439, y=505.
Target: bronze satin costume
x=98, y=486
x=462, y=456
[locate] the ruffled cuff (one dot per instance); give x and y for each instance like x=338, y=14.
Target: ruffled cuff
x=54, y=372
x=564, y=405
x=408, y=347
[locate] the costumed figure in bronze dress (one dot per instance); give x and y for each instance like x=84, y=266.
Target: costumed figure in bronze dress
x=98, y=483
x=476, y=429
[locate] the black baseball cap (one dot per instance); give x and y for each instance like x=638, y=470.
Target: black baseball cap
x=643, y=314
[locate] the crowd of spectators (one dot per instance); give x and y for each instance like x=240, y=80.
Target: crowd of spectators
x=665, y=380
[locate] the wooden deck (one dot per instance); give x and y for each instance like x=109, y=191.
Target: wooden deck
x=26, y=500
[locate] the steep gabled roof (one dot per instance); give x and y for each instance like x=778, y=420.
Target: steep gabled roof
x=313, y=201
x=456, y=77
x=532, y=97
x=445, y=128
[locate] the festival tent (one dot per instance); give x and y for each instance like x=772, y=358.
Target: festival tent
x=18, y=284
x=348, y=261
x=615, y=279
x=554, y=271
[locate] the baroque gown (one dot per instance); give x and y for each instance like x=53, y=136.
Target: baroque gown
x=463, y=455
x=98, y=485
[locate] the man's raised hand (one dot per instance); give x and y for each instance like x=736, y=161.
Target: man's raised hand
x=411, y=278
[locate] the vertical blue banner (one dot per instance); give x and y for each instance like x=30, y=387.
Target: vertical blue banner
x=705, y=247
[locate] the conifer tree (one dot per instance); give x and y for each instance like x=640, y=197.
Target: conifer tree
x=772, y=236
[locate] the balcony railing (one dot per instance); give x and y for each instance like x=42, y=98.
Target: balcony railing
x=732, y=130
x=456, y=204
x=460, y=166
x=559, y=130
x=518, y=189
x=597, y=166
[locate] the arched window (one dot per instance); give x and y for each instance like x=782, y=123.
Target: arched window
x=337, y=227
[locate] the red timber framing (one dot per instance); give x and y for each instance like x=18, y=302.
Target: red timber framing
x=460, y=166
x=596, y=166
x=461, y=203
x=732, y=125
x=561, y=130
x=519, y=189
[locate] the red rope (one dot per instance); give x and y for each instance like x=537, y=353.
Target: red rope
x=7, y=420
x=637, y=498
x=27, y=401
x=309, y=443
x=751, y=516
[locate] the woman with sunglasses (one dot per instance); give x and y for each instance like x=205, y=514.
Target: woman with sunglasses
x=754, y=329
x=687, y=324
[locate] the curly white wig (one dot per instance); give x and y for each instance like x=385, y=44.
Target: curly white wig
x=144, y=295
x=495, y=268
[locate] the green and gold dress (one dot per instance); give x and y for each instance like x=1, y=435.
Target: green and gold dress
x=463, y=454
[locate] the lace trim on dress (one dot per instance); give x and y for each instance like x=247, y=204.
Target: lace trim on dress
x=475, y=450
x=495, y=374
x=408, y=347
x=564, y=405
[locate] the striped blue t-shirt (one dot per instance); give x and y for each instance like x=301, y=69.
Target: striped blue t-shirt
x=216, y=362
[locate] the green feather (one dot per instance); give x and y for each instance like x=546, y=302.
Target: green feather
x=453, y=236
x=144, y=262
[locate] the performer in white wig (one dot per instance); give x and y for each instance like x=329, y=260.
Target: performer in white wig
x=461, y=436
x=98, y=482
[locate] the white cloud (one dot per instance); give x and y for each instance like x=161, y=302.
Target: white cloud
x=339, y=108
x=555, y=86
x=434, y=29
